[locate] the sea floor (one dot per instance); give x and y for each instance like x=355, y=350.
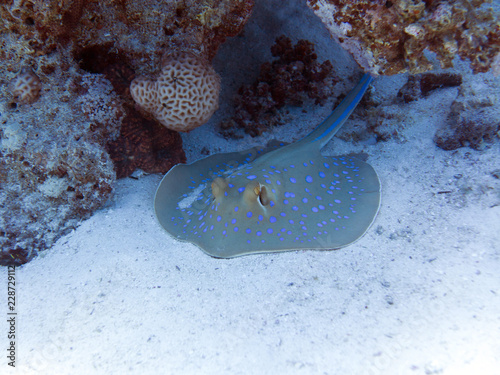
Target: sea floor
x=419, y=293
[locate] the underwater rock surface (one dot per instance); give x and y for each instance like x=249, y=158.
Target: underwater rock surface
x=139, y=31
x=390, y=37
x=54, y=169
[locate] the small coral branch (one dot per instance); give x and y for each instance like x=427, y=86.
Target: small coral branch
x=294, y=76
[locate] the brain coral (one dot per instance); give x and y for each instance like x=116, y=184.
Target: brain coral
x=185, y=94
x=25, y=87
x=390, y=37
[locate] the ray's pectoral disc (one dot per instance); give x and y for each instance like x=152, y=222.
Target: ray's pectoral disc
x=272, y=199
x=314, y=203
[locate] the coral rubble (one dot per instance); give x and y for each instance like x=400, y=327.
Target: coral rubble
x=473, y=120
x=375, y=120
x=422, y=84
x=390, y=37
x=383, y=120
x=288, y=80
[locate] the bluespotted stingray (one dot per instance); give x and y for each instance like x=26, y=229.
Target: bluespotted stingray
x=273, y=198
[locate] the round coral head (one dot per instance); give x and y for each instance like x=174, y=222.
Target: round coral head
x=26, y=87
x=184, y=96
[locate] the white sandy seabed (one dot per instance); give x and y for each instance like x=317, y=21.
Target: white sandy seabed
x=418, y=294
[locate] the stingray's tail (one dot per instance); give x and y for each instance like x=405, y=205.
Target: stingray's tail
x=327, y=129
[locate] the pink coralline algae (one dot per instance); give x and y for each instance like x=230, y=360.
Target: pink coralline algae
x=388, y=37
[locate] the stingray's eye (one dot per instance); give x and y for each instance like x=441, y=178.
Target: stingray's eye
x=264, y=196
x=254, y=192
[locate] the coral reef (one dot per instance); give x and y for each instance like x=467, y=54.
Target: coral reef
x=184, y=95
x=59, y=140
x=140, y=31
x=142, y=143
x=473, y=120
x=422, y=84
x=54, y=169
x=294, y=76
x=390, y=37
